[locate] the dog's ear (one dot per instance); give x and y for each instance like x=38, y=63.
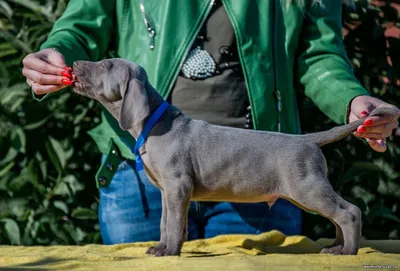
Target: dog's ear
x=134, y=106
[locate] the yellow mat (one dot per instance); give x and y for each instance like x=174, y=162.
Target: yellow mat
x=267, y=251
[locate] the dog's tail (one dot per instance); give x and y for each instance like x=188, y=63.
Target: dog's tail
x=340, y=132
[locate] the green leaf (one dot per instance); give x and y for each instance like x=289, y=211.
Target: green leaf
x=359, y=169
x=73, y=183
x=61, y=189
x=81, y=116
x=6, y=169
x=43, y=169
x=9, y=95
x=57, y=231
x=56, y=154
x=29, y=231
x=6, y=9
x=17, y=206
x=11, y=155
x=18, y=183
x=32, y=126
x=61, y=205
x=18, y=140
x=77, y=234
x=382, y=211
x=9, y=52
x=32, y=172
x=12, y=230
x=84, y=213
x=390, y=216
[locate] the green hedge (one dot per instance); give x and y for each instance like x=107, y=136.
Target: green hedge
x=47, y=161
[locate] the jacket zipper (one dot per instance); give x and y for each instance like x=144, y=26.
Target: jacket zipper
x=152, y=34
x=190, y=44
x=150, y=28
x=251, y=99
x=277, y=92
x=279, y=107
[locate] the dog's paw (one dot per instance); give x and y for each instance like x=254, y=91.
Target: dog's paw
x=154, y=249
x=167, y=252
x=335, y=250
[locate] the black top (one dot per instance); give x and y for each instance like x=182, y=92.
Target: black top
x=221, y=99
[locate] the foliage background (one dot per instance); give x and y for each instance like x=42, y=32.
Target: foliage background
x=48, y=162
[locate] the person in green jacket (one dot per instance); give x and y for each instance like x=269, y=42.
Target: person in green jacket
x=231, y=62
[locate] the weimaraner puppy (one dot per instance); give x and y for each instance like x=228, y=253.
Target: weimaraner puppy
x=193, y=160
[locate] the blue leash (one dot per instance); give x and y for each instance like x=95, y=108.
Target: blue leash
x=145, y=132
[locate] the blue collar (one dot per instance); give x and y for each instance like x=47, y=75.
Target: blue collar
x=145, y=132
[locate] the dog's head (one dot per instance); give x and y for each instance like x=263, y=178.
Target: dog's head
x=119, y=85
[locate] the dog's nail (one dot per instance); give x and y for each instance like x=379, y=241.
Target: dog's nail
x=368, y=122
x=67, y=74
x=66, y=81
x=68, y=69
x=361, y=129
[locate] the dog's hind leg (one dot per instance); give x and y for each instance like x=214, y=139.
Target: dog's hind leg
x=337, y=245
x=316, y=194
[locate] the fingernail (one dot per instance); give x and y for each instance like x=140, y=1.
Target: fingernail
x=368, y=122
x=66, y=81
x=361, y=129
x=66, y=74
x=365, y=113
x=68, y=69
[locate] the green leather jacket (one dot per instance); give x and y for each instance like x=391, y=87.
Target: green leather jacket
x=281, y=51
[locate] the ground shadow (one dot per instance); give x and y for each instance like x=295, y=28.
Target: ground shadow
x=302, y=247
x=49, y=262
x=199, y=254
x=37, y=264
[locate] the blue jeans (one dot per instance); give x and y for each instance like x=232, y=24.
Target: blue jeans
x=130, y=211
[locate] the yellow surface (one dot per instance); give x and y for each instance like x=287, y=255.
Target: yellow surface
x=267, y=251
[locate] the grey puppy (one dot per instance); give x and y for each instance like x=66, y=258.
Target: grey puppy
x=192, y=160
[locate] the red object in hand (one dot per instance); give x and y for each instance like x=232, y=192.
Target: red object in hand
x=368, y=122
x=361, y=130
x=68, y=69
x=66, y=74
x=66, y=81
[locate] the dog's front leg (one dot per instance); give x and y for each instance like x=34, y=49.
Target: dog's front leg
x=163, y=229
x=177, y=194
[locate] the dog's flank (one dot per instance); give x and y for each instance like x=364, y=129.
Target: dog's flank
x=340, y=132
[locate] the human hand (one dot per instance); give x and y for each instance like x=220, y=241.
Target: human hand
x=374, y=129
x=46, y=71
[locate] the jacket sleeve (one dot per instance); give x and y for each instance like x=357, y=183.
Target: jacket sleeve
x=83, y=32
x=323, y=67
